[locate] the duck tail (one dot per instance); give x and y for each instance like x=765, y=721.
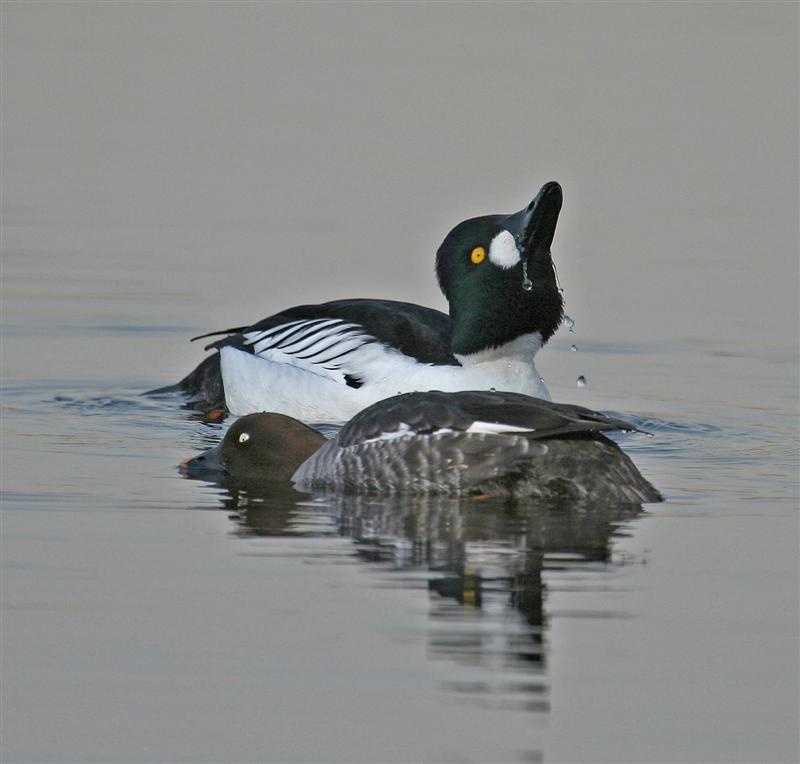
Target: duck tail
x=204, y=384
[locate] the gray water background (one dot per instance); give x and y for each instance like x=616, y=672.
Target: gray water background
x=172, y=168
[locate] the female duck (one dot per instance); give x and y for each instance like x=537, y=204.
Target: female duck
x=463, y=443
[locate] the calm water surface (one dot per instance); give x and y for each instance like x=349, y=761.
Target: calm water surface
x=171, y=169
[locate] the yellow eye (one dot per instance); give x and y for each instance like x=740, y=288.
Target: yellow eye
x=478, y=254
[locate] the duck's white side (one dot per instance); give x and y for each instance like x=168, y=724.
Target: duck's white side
x=272, y=380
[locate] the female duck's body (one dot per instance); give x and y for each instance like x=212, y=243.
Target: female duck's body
x=463, y=443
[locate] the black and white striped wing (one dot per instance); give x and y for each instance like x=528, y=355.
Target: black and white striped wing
x=327, y=347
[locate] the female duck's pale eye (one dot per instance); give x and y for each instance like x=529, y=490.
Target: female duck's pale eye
x=478, y=254
x=244, y=437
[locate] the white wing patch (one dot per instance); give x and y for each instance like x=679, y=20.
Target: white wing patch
x=476, y=428
x=323, y=346
x=496, y=428
x=403, y=430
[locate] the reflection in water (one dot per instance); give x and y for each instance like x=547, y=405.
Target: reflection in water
x=484, y=562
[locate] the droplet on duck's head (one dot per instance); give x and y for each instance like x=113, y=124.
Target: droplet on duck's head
x=558, y=280
x=527, y=284
x=244, y=437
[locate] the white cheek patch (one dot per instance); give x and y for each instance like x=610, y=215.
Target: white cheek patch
x=503, y=250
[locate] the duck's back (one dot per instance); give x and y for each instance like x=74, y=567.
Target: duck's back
x=493, y=443
x=416, y=331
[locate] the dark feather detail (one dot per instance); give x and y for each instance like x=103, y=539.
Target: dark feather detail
x=203, y=385
x=217, y=333
x=418, y=332
x=431, y=411
x=296, y=334
x=338, y=357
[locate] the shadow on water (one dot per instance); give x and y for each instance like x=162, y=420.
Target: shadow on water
x=484, y=564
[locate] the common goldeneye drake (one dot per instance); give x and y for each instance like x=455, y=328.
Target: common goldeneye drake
x=463, y=443
x=326, y=362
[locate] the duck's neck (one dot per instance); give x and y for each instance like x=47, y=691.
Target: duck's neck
x=519, y=351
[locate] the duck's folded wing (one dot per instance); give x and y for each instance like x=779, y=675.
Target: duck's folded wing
x=328, y=347
x=347, y=340
x=447, y=462
x=543, y=419
x=476, y=411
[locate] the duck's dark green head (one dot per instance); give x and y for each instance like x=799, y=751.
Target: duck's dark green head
x=497, y=274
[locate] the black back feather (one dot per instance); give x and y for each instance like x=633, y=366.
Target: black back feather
x=431, y=411
x=416, y=331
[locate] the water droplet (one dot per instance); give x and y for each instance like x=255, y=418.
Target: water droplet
x=581, y=381
x=541, y=379
x=492, y=389
x=569, y=323
x=527, y=284
x=573, y=348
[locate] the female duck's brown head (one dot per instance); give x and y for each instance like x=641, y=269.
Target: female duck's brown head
x=260, y=447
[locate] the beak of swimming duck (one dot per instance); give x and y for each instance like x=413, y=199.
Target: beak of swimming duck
x=208, y=462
